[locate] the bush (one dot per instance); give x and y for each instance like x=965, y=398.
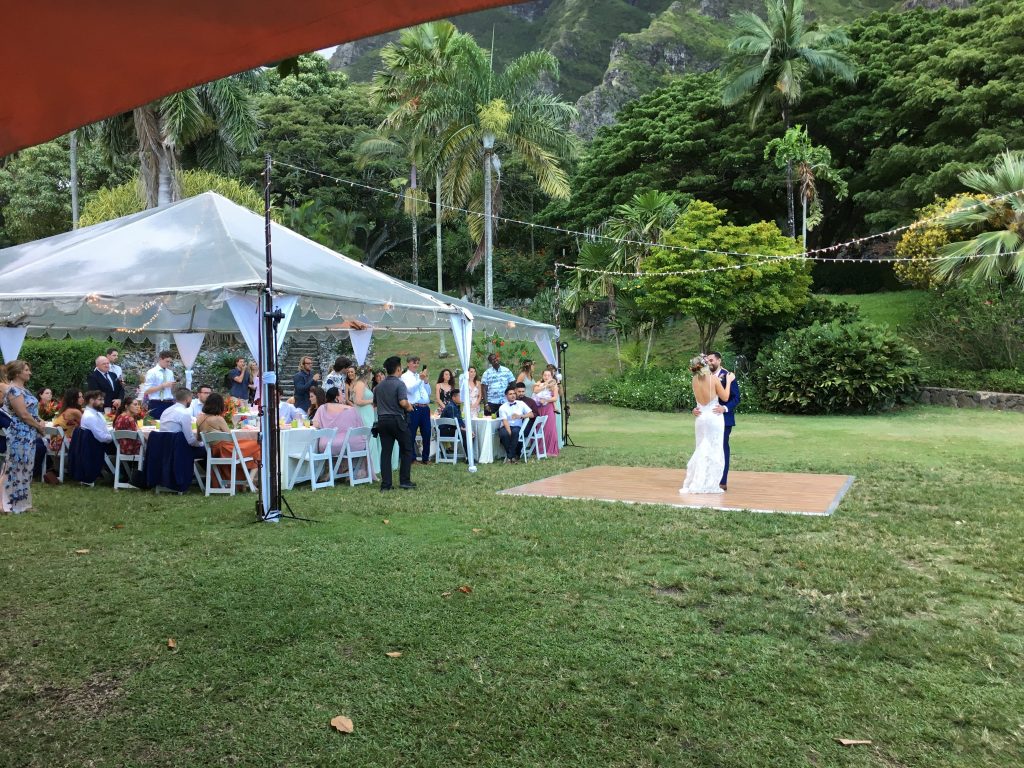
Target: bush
x=972, y=327
x=747, y=338
x=836, y=369
x=665, y=390
x=986, y=381
x=61, y=363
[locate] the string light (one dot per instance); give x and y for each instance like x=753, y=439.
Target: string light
x=145, y=325
x=106, y=308
x=596, y=235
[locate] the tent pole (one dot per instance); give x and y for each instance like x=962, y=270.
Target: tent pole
x=271, y=428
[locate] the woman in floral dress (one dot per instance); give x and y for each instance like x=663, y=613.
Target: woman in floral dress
x=16, y=477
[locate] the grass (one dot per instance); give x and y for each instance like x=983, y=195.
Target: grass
x=594, y=635
x=895, y=309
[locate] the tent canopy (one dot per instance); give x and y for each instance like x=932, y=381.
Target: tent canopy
x=173, y=269
x=69, y=63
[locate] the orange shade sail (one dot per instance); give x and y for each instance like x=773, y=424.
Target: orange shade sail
x=66, y=63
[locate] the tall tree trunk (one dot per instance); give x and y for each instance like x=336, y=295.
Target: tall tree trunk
x=165, y=180
x=790, y=207
x=803, y=199
x=415, y=228
x=650, y=341
x=437, y=229
x=74, y=179
x=488, y=236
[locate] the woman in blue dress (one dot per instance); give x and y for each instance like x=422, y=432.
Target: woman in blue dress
x=23, y=407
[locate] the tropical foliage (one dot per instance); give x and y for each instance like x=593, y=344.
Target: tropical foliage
x=920, y=245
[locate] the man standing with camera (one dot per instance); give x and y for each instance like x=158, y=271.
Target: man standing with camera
x=392, y=401
x=418, y=391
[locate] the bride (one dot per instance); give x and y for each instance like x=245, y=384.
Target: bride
x=704, y=470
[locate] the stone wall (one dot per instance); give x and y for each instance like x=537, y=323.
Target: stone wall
x=963, y=398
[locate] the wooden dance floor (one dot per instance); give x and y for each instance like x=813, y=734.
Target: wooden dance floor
x=783, y=492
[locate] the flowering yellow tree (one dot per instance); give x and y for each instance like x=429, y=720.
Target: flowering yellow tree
x=923, y=241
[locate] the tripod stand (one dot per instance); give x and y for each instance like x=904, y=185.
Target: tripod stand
x=567, y=440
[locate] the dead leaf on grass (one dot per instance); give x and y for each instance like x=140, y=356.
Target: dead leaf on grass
x=387, y=522
x=465, y=589
x=81, y=551
x=393, y=654
x=478, y=530
x=118, y=526
x=854, y=742
x=446, y=594
x=342, y=724
x=172, y=643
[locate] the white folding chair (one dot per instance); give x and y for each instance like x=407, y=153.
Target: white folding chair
x=128, y=459
x=214, y=463
x=349, y=454
x=243, y=463
x=444, y=442
x=58, y=456
x=532, y=441
x=316, y=460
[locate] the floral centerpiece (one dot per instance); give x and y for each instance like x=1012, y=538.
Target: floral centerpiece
x=47, y=411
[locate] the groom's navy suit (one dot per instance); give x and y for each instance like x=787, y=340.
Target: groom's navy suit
x=730, y=417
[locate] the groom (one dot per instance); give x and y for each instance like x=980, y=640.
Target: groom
x=728, y=407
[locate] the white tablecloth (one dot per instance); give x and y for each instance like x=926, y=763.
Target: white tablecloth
x=486, y=444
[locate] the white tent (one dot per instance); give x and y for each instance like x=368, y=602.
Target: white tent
x=198, y=266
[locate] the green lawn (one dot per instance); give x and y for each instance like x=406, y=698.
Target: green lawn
x=594, y=635
x=895, y=309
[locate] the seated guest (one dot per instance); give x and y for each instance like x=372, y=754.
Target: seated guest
x=69, y=416
x=317, y=397
x=178, y=418
x=530, y=403
x=48, y=407
x=453, y=410
x=512, y=414
x=104, y=380
x=288, y=412
x=212, y=420
x=197, y=405
x=335, y=414
x=126, y=419
x=93, y=421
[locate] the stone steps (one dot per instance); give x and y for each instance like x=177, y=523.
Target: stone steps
x=288, y=362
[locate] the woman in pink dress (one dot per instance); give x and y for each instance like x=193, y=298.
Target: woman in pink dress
x=339, y=416
x=545, y=392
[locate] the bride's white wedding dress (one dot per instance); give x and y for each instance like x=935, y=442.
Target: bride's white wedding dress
x=706, y=465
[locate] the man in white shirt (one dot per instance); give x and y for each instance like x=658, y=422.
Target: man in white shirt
x=158, y=388
x=178, y=418
x=287, y=412
x=200, y=401
x=113, y=355
x=512, y=414
x=416, y=383
x=93, y=421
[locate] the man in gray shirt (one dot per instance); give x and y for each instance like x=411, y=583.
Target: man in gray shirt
x=392, y=401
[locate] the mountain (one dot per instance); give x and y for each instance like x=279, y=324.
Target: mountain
x=609, y=51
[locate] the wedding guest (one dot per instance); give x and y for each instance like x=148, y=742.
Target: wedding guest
x=339, y=415
x=418, y=391
x=530, y=403
x=392, y=401
x=288, y=412
x=378, y=377
x=25, y=427
x=113, y=356
x=126, y=419
x=239, y=377
x=362, y=399
x=545, y=392
x=512, y=413
x=211, y=419
x=443, y=388
x=69, y=417
x=254, y=382
x=317, y=397
x=526, y=375
x=103, y=379
x=337, y=375
x=453, y=410
x=93, y=421
x=494, y=383
x=470, y=388
x=4, y=383
x=158, y=386
x=204, y=391
x=178, y=418
x=350, y=381
x=302, y=381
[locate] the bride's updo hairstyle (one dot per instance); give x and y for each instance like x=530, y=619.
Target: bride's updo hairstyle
x=699, y=365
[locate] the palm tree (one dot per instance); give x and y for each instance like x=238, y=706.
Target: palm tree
x=217, y=120
x=772, y=59
x=421, y=59
x=996, y=254
x=483, y=114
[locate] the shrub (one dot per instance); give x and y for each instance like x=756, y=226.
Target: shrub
x=972, y=327
x=1000, y=380
x=646, y=389
x=747, y=338
x=836, y=369
x=61, y=363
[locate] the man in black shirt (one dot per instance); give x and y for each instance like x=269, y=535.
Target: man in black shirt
x=392, y=400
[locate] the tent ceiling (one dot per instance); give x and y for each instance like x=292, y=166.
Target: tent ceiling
x=68, y=63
